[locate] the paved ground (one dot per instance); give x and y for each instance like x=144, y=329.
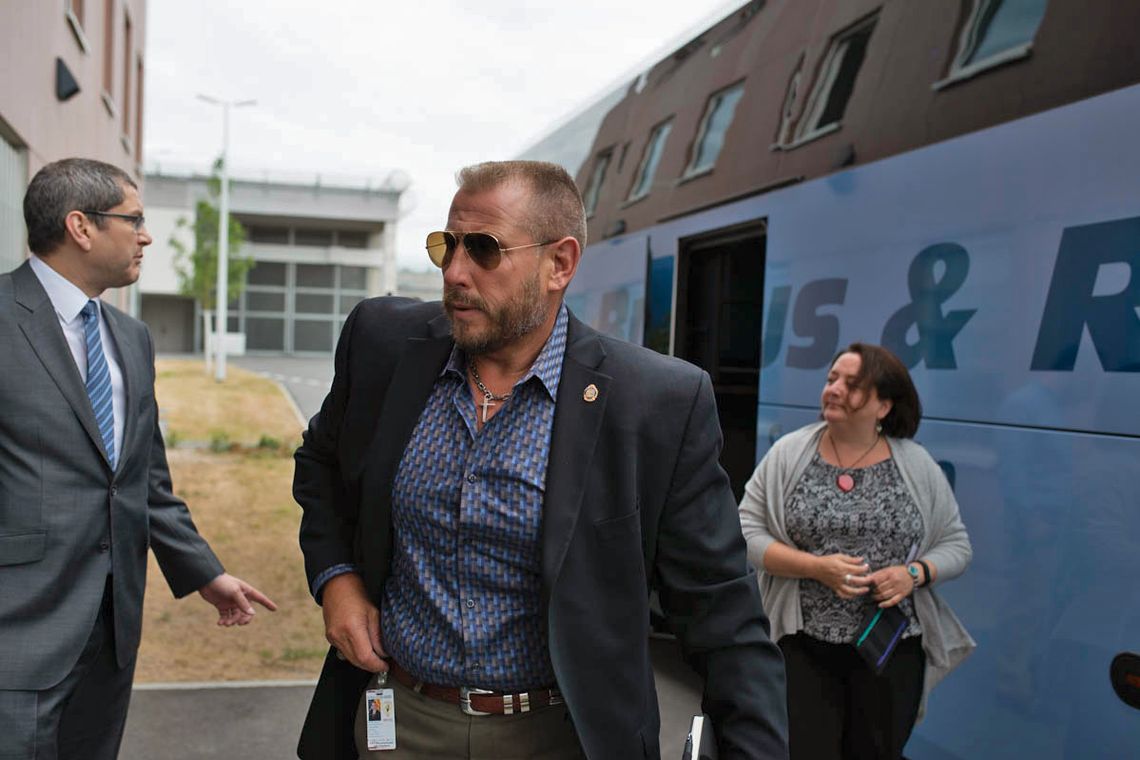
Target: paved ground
x=307, y=379
x=256, y=723
x=262, y=722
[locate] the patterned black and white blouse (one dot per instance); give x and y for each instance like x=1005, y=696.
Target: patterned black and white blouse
x=877, y=520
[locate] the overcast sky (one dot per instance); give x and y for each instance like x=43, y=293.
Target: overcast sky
x=362, y=88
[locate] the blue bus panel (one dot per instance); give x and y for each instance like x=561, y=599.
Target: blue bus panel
x=608, y=292
x=1001, y=266
x=998, y=264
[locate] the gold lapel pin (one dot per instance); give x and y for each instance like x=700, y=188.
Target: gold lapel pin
x=590, y=395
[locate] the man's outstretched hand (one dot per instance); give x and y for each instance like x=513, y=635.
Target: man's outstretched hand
x=232, y=597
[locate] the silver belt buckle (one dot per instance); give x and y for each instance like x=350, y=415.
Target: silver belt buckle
x=465, y=693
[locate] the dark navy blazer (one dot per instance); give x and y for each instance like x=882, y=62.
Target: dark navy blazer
x=635, y=499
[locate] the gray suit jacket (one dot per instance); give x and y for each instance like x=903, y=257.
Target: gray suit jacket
x=67, y=519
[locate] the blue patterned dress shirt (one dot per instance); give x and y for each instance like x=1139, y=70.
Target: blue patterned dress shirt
x=462, y=604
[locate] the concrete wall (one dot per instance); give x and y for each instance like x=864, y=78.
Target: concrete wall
x=158, y=275
x=287, y=315
x=280, y=200
x=36, y=32
x=374, y=211
x=171, y=322
x=13, y=178
x=98, y=122
x=426, y=285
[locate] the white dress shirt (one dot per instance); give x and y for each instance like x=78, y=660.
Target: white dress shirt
x=69, y=301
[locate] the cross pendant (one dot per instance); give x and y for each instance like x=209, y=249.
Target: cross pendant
x=486, y=404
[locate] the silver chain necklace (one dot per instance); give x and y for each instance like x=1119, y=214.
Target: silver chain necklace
x=489, y=398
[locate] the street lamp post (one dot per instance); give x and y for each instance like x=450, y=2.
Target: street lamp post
x=221, y=314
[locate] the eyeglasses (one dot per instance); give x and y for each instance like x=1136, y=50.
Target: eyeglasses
x=483, y=248
x=138, y=221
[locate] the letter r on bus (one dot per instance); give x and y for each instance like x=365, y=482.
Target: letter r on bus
x=1073, y=301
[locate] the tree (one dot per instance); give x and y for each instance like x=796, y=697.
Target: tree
x=197, y=268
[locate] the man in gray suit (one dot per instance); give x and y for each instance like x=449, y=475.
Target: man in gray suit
x=84, y=484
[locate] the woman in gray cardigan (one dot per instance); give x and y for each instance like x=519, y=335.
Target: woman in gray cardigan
x=842, y=515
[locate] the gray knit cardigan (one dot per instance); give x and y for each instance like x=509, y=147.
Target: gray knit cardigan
x=944, y=543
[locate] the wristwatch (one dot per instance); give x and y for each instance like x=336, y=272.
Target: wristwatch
x=913, y=570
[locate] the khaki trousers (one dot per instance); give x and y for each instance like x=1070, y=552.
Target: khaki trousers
x=429, y=729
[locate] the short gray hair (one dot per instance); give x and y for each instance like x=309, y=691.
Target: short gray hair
x=73, y=184
x=556, y=211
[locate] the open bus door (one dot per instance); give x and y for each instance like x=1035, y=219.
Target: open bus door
x=720, y=287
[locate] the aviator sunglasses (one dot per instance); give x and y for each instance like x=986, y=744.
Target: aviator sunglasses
x=483, y=248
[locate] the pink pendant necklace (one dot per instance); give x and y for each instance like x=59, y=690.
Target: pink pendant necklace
x=844, y=480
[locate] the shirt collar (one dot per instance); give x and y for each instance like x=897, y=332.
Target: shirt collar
x=67, y=299
x=547, y=366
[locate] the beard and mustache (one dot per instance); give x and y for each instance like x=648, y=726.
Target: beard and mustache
x=514, y=318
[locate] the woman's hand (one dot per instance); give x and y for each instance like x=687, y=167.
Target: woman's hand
x=891, y=585
x=843, y=574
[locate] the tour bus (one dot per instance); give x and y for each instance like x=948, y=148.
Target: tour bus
x=1003, y=267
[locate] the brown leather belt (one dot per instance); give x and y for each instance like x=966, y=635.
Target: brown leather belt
x=479, y=701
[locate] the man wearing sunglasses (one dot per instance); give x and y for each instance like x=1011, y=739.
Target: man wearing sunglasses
x=490, y=491
x=84, y=484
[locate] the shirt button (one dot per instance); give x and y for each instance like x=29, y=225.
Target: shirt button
x=470, y=603
x=470, y=477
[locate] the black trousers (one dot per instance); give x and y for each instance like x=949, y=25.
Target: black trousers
x=80, y=718
x=838, y=709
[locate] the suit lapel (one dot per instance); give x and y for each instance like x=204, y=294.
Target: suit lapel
x=133, y=369
x=408, y=392
x=404, y=401
x=40, y=326
x=572, y=443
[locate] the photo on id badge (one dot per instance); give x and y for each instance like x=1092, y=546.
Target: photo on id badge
x=381, y=719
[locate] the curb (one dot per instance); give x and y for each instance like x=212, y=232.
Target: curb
x=301, y=419
x=200, y=685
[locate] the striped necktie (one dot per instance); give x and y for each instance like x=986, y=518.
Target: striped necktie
x=99, y=380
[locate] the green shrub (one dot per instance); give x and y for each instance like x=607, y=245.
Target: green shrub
x=268, y=442
x=220, y=442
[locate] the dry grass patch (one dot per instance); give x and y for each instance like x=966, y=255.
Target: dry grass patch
x=242, y=410
x=243, y=505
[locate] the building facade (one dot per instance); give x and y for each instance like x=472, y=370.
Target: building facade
x=426, y=285
x=72, y=86
x=318, y=250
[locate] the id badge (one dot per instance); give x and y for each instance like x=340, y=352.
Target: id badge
x=380, y=705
